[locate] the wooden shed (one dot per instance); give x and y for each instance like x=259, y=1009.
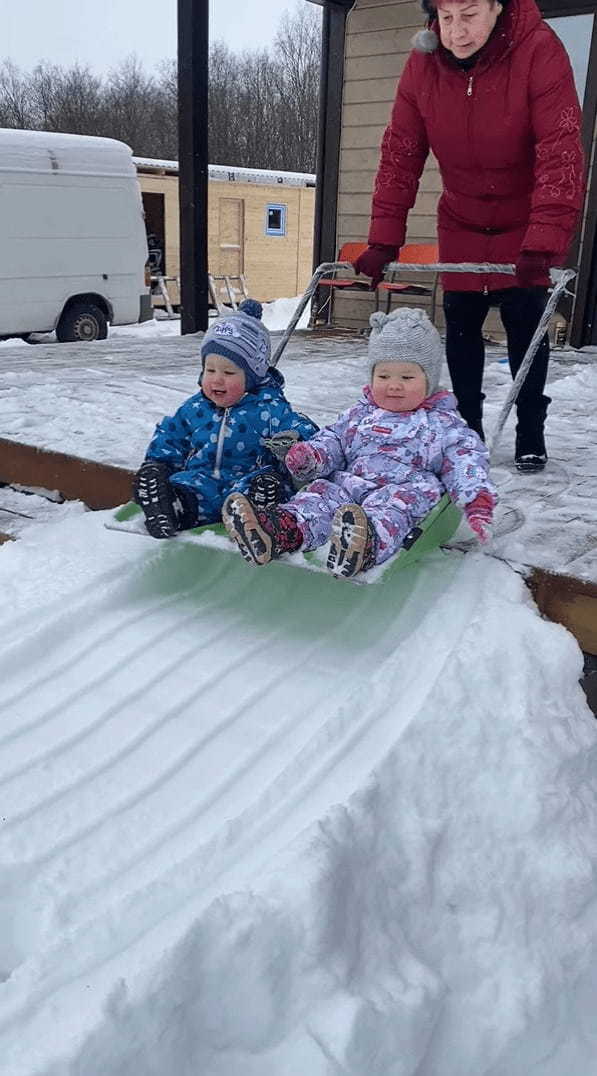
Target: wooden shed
x=365, y=46
x=260, y=225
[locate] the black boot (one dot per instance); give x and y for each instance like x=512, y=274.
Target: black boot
x=266, y=490
x=530, y=455
x=167, y=508
x=477, y=426
x=472, y=413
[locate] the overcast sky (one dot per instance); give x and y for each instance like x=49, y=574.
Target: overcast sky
x=102, y=34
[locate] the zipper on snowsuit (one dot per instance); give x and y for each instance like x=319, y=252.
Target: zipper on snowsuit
x=469, y=90
x=220, y=444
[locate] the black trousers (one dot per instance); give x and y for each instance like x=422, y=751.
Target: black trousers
x=520, y=310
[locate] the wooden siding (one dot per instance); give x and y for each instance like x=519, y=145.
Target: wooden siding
x=275, y=266
x=378, y=41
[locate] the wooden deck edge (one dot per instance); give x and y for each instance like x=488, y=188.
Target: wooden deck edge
x=568, y=601
x=561, y=598
x=99, y=485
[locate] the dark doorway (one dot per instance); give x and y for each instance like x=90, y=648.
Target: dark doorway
x=155, y=226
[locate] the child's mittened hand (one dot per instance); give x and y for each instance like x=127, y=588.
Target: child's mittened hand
x=303, y=461
x=479, y=515
x=280, y=443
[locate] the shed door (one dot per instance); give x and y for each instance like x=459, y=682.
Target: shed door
x=232, y=236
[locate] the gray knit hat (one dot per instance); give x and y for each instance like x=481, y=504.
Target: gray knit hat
x=241, y=337
x=407, y=335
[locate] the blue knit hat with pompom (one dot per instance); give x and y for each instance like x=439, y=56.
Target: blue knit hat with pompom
x=241, y=337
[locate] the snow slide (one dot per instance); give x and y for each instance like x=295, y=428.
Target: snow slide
x=264, y=823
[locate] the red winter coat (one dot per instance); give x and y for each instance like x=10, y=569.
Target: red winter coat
x=506, y=134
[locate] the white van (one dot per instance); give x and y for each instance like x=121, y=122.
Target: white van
x=72, y=236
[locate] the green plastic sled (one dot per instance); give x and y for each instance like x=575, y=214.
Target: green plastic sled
x=435, y=530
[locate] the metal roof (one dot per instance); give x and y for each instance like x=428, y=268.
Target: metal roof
x=233, y=174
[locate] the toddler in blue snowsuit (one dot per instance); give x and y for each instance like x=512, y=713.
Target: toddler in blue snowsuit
x=217, y=442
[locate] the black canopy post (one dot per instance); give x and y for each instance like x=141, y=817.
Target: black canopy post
x=193, y=55
x=330, y=127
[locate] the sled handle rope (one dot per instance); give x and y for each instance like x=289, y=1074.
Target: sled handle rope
x=560, y=279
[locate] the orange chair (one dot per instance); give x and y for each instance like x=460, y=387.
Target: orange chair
x=348, y=252
x=414, y=254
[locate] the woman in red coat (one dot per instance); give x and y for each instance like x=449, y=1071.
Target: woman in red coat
x=489, y=89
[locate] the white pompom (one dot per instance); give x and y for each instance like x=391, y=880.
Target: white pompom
x=409, y=316
x=378, y=320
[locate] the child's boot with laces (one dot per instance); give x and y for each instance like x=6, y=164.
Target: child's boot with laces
x=261, y=534
x=353, y=542
x=167, y=508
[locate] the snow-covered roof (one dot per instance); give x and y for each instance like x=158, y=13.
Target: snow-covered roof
x=231, y=173
x=47, y=152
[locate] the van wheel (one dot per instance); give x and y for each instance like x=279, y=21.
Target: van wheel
x=82, y=322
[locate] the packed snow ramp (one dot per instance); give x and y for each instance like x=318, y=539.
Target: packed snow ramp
x=265, y=823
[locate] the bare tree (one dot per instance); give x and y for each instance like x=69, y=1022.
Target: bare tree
x=298, y=47
x=68, y=100
x=263, y=104
x=15, y=97
x=166, y=117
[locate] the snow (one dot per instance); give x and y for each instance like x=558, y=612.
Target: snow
x=277, y=314
x=47, y=153
x=102, y=401
x=265, y=823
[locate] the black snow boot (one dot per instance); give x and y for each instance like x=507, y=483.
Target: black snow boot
x=472, y=413
x=477, y=426
x=530, y=455
x=167, y=508
x=353, y=542
x=266, y=490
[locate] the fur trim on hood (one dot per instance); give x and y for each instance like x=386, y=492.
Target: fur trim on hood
x=425, y=41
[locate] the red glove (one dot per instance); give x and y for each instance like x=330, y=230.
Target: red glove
x=373, y=261
x=479, y=514
x=303, y=461
x=532, y=268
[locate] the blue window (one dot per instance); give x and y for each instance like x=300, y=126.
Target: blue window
x=275, y=219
